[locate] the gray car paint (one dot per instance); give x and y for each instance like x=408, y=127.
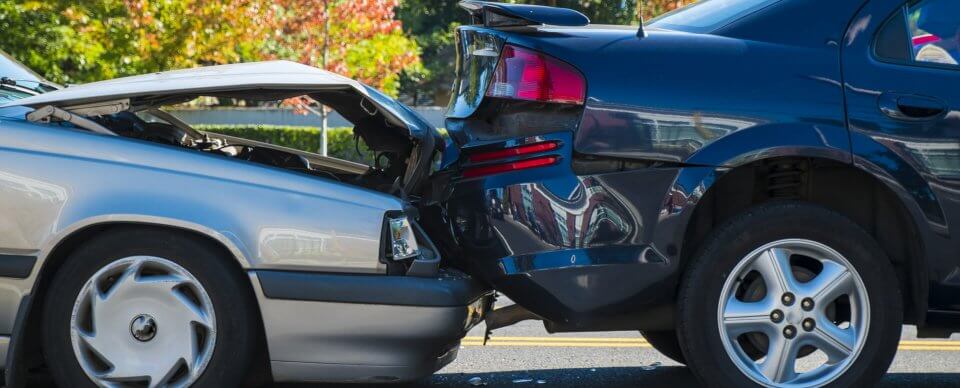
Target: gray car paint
x=56, y=181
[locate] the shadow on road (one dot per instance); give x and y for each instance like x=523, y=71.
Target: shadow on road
x=665, y=377
x=662, y=377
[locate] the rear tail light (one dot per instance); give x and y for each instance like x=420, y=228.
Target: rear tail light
x=474, y=172
x=524, y=74
x=506, y=153
x=513, y=152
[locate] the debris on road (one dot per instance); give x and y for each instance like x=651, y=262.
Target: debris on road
x=652, y=366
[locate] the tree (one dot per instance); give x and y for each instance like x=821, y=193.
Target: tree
x=432, y=24
x=70, y=41
x=359, y=39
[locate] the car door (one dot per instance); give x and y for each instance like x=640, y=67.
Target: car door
x=902, y=87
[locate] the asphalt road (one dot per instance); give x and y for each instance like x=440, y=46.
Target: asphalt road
x=526, y=355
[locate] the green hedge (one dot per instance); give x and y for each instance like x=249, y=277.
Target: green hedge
x=340, y=141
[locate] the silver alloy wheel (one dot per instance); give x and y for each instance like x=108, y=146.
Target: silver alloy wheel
x=828, y=312
x=143, y=320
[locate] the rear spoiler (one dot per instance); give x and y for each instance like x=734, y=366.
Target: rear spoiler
x=493, y=14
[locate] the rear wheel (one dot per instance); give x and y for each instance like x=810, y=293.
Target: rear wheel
x=790, y=295
x=148, y=308
x=666, y=343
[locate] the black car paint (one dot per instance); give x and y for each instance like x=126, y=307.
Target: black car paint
x=667, y=116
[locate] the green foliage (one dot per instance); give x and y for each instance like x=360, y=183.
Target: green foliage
x=340, y=141
x=62, y=42
x=432, y=24
x=70, y=41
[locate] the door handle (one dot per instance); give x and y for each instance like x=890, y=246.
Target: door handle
x=911, y=107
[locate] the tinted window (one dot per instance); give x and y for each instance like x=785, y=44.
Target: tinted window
x=935, y=31
x=708, y=15
x=893, y=41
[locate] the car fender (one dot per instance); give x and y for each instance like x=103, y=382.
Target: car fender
x=703, y=169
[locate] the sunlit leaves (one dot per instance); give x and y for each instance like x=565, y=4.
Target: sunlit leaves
x=80, y=41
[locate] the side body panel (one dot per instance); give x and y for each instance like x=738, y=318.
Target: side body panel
x=919, y=154
x=56, y=181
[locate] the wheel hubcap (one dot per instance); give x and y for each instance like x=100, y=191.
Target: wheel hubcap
x=143, y=327
x=831, y=318
x=116, y=324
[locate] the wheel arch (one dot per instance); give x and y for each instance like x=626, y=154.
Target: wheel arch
x=880, y=206
x=26, y=328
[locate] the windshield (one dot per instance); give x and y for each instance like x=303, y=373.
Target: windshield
x=708, y=15
x=17, y=76
x=9, y=95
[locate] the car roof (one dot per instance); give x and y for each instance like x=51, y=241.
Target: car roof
x=275, y=76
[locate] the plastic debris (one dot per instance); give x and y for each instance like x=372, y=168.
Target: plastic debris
x=541, y=381
x=652, y=366
x=476, y=382
x=522, y=381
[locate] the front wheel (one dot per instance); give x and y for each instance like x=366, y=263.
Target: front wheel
x=148, y=308
x=796, y=295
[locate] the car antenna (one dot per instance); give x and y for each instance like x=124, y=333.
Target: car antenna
x=639, y=15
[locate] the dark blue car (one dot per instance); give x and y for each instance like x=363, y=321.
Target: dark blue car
x=767, y=189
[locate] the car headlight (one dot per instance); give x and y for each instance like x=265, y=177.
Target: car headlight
x=403, y=243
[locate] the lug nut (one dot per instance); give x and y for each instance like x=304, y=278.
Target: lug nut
x=776, y=316
x=788, y=299
x=789, y=332
x=807, y=304
x=809, y=324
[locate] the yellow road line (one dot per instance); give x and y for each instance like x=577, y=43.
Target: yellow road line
x=600, y=342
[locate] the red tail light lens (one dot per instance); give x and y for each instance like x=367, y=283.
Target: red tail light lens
x=524, y=74
x=527, y=149
x=474, y=172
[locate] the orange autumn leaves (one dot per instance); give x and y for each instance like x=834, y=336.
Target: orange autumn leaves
x=76, y=42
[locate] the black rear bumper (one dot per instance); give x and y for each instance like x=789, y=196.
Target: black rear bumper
x=584, y=251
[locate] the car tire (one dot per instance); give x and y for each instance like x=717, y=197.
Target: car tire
x=721, y=304
x=667, y=343
x=179, y=288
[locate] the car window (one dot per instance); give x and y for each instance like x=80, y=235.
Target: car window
x=708, y=15
x=922, y=33
x=935, y=31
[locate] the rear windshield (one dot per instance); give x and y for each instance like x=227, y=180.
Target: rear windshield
x=708, y=15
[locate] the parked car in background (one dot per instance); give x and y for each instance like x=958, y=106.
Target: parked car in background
x=138, y=251
x=767, y=189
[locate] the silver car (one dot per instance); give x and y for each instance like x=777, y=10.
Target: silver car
x=136, y=250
